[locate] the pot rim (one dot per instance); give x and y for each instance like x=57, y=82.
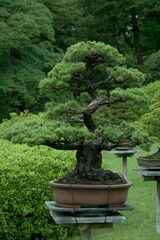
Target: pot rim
x=54, y=183
x=148, y=159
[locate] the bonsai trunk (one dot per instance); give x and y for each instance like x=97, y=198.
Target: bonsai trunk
x=88, y=168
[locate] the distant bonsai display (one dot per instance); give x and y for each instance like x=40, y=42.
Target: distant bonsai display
x=83, y=89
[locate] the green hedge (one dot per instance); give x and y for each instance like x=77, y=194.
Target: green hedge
x=24, y=176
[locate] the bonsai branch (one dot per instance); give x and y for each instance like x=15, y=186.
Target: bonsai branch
x=63, y=145
x=92, y=107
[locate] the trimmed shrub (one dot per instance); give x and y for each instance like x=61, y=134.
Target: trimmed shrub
x=25, y=173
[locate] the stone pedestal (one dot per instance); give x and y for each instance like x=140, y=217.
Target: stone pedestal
x=124, y=153
x=86, y=218
x=153, y=174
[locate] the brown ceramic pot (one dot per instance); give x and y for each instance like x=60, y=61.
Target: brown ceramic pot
x=77, y=195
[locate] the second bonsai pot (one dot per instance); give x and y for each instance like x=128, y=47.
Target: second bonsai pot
x=147, y=162
x=150, y=161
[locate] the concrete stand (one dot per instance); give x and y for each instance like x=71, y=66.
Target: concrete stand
x=124, y=154
x=86, y=218
x=153, y=174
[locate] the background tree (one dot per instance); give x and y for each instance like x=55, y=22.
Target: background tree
x=152, y=67
x=150, y=120
x=130, y=26
x=27, y=52
x=72, y=23
x=119, y=23
x=86, y=68
x=150, y=29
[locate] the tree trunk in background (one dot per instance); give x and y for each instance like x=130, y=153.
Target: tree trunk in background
x=136, y=34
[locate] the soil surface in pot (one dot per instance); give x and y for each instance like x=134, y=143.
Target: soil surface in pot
x=110, y=178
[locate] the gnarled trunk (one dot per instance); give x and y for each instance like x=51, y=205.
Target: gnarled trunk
x=89, y=159
x=88, y=168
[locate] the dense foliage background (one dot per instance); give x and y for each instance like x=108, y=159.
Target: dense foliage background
x=34, y=35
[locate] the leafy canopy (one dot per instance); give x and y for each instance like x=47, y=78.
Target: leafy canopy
x=91, y=76
x=26, y=52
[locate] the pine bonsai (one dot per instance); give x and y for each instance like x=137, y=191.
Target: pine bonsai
x=82, y=88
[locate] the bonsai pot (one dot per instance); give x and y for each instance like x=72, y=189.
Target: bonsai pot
x=78, y=195
x=150, y=161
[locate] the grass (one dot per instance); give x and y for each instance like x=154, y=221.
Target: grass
x=140, y=223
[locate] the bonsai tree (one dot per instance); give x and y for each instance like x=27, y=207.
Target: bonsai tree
x=89, y=80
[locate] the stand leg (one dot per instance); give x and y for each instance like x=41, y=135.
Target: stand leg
x=158, y=207
x=124, y=169
x=85, y=232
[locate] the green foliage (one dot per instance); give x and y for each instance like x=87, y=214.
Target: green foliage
x=151, y=67
x=25, y=173
x=23, y=22
x=81, y=51
x=150, y=27
x=62, y=111
x=129, y=77
x=72, y=70
x=33, y=33
x=150, y=120
x=71, y=22
x=151, y=89
x=86, y=68
x=113, y=24
x=26, y=53
x=136, y=105
x=126, y=133
x=155, y=103
x=38, y=129
x=29, y=28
